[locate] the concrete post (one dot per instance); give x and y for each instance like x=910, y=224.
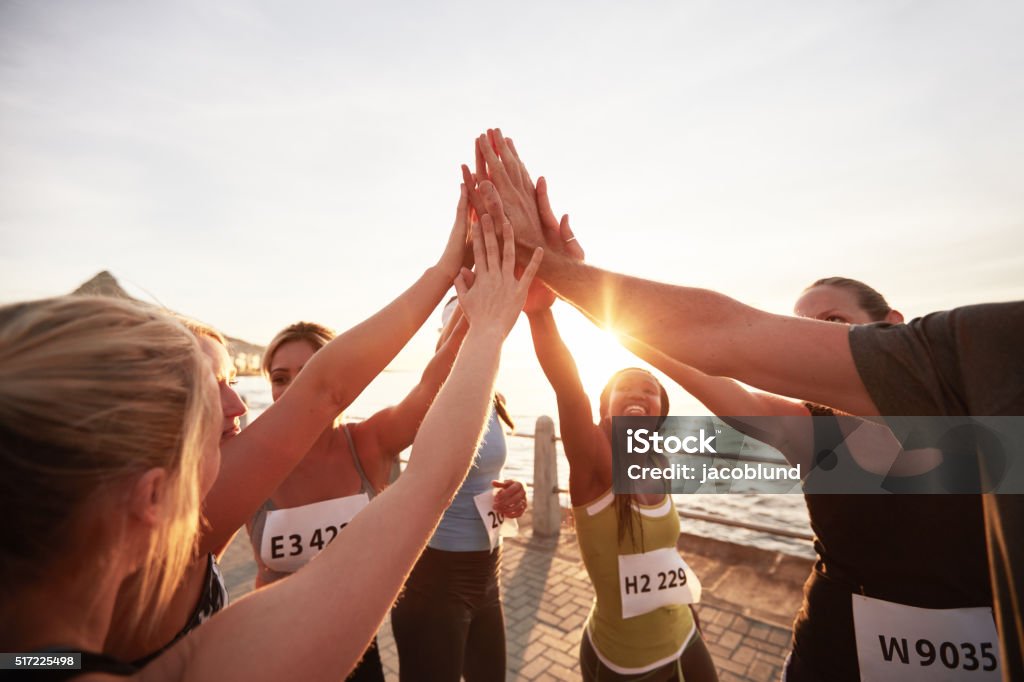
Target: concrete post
x=547, y=513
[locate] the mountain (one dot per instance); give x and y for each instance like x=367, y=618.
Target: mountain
x=246, y=356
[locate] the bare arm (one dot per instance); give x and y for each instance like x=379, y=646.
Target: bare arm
x=706, y=330
x=590, y=467
x=338, y=601
x=255, y=462
x=391, y=430
x=728, y=399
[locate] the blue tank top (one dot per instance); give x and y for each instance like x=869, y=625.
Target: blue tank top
x=461, y=528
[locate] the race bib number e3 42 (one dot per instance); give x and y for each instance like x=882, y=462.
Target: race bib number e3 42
x=497, y=525
x=654, y=579
x=291, y=537
x=899, y=643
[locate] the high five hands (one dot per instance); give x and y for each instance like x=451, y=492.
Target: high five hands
x=491, y=296
x=501, y=187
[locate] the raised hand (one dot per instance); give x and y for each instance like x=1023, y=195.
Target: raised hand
x=509, y=190
x=495, y=298
x=457, y=253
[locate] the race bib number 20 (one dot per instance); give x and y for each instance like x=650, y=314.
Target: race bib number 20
x=497, y=525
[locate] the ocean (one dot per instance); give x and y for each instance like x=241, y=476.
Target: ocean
x=529, y=398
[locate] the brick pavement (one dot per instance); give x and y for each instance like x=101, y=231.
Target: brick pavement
x=547, y=596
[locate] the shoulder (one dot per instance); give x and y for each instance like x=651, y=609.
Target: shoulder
x=950, y=362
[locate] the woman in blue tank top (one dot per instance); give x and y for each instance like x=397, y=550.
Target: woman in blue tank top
x=448, y=623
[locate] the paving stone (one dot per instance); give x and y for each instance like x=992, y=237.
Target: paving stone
x=730, y=640
x=547, y=597
x=534, y=668
x=744, y=655
x=762, y=671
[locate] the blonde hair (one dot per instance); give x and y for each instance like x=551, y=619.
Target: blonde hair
x=94, y=392
x=200, y=329
x=316, y=335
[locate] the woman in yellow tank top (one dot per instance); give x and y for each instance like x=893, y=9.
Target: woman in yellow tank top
x=628, y=542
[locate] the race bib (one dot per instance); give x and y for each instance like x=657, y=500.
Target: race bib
x=291, y=537
x=654, y=579
x=497, y=525
x=901, y=643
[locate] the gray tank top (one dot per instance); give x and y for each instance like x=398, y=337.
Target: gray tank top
x=259, y=519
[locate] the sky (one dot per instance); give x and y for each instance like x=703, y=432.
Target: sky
x=257, y=163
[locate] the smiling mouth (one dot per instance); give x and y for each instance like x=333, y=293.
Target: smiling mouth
x=634, y=410
x=230, y=432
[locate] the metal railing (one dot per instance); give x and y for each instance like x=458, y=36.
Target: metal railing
x=547, y=514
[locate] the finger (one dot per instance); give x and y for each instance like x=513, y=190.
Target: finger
x=491, y=244
x=501, y=484
x=573, y=248
x=531, y=269
x=462, y=208
x=461, y=288
x=508, y=265
x=496, y=169
x=508, y=158
x=547, y=217
x=474, y=194
x=524, y=175
x=479, y=255
x=469, y=277
x=492, y=202
x=481, y=162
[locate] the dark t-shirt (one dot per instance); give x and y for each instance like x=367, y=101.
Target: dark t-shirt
x=967, y=361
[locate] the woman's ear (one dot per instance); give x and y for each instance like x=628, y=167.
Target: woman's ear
x=894, y=317
x=147, y=496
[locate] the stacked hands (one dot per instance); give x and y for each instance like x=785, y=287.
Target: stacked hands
x=501, y=193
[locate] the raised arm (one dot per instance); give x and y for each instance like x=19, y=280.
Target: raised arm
x=338, y=601
x=255, y=462
x=586, y=449
x=391, y=430
x=715, y=334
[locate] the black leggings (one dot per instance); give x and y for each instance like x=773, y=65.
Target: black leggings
x=448, y=623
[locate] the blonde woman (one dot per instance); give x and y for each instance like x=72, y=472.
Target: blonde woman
x=110, y=435
x=257, y=460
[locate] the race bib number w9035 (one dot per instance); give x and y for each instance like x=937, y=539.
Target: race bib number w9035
x=900, y=643
x=654, y=579
x=291, y=537
x=497, y=525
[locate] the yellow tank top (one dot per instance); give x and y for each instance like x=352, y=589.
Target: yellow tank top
x=644, y=642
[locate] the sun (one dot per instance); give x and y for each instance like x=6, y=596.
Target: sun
x=597, y=351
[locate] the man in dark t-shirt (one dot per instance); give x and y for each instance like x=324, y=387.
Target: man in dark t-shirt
x=967, y=361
